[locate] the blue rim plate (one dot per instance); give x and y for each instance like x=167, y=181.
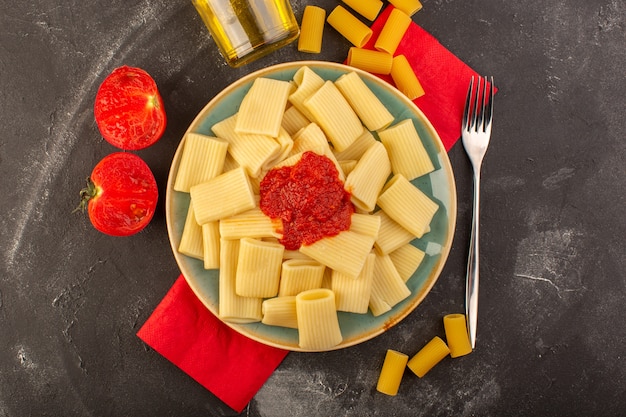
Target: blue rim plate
x=439, y=185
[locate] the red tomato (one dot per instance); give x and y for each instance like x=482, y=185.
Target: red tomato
x=129, y=110
x=121, y=194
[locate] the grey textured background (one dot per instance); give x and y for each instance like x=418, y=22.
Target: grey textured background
x=551, y=336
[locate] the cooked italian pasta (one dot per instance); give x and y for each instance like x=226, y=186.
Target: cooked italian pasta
x=376, y=62
x=407, y=153
x=455, y=327
x=252, y=223
x=318, y=325
x=280, y=311
x=211, y=244
x=202, y=159
x=369, y=9
x=393, y=31
x=294, y=120
x=332, y=112
x=350, y=27
x=232, y=307
x=365, y=103
x=405, y=78
x=429, y=356
x=391, y=235
x=358, y=147
x=388, y=288
x=251, y=151
x=365, y=224
x=407, y=205
x=308, y=82
x=258, y=268
x=300, y=275
x=391, y=372
x=353, y=294
x=191, y=238
x=312, y=30
x=261, y=110
x=345, y=252
x=368, y=177
x=407, y=259
x=233, y=191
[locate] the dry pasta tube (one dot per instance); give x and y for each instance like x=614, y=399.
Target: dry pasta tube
x=409, y=7
x=311, y=30
x=369, y=9
x=456, y=335
x=318, y=325
x=429, y=356
x=376, y=62
x=391, y=372
x=405, y=79
x=393, y=31
x=351, y=28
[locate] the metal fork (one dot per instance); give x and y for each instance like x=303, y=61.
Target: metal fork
x=476, y=131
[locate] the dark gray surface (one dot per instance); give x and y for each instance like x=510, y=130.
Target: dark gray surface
x=551, y=333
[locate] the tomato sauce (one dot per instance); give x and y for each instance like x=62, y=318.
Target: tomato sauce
x=308, y=198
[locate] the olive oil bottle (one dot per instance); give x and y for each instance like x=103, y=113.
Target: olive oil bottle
x=245, y=30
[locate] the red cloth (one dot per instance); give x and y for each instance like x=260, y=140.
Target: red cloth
x=232, y=366
x=443, y=76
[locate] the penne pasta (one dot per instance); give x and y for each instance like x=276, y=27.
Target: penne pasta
x=376, y=62
x=367, y=106
x=368, y=177
x=332, y=112
x=312, y=30
x=202, y=159
x=345, y=252
x=353, y=294
x=350, y=27
x=388, y=289
x=211, y=243
x=232, y=307
x=455, y=327
x=280, y=311
x=405, y=79
x=407, y=153
x=391, y=373
x=251, y=151
x=407, y=259
x=407, y=205
x=429, y=356
x=393, y=31
x=391, y=235
x=318, y=325
x=300, y=275
x=233, y=192
x=261, y=110
x=258, y=268
x=369, y=9
x=409, y=7
x=191, y=238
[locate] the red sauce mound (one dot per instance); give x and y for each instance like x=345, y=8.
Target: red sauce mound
x=309, y=198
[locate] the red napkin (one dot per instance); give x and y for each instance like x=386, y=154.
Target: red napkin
x=443, y=76
x=232, y=366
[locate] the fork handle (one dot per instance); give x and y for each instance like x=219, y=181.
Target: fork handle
x=471, y=280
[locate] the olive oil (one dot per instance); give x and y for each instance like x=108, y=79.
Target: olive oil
x=245, y=30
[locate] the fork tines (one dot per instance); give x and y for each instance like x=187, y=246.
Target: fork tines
x=478, y=104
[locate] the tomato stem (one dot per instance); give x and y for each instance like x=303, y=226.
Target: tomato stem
x=86, y=194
